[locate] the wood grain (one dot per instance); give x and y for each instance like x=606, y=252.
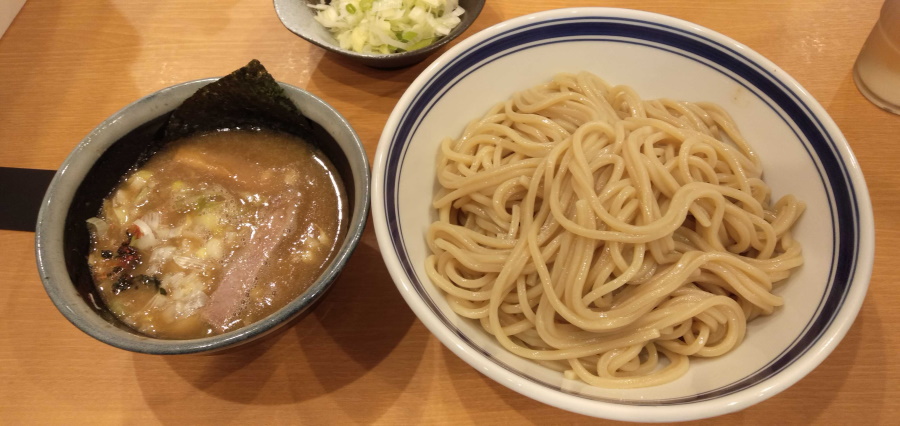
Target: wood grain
x=65, y=66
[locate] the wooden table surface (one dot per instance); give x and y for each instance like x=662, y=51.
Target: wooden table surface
x=67, y=65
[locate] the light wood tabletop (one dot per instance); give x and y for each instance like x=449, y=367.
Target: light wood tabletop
x=361, y=356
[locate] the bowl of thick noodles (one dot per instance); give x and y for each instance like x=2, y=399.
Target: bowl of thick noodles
x=622, y=214
x=211, y=239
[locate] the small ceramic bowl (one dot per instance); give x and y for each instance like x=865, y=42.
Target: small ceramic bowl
x=95, y=167
x=297, y=16
x=802, y=150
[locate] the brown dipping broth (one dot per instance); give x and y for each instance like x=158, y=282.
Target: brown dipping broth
x=260, y=211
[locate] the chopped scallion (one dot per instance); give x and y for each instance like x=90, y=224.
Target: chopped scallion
x=388, y=26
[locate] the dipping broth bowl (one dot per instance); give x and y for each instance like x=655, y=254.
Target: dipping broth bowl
x=802, y=150
x=95, y=166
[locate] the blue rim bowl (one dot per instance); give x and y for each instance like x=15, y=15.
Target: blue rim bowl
x=802, y=149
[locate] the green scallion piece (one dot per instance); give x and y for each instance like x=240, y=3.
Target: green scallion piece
x=422, y=43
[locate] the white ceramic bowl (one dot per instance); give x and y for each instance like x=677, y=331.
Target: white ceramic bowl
x=803, y=153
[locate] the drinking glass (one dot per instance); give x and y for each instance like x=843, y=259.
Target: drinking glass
x=877, y=69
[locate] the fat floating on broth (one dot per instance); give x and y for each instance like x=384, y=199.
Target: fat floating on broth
x=215, y=232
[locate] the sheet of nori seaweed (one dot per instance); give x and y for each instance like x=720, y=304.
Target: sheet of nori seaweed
x=247, y=98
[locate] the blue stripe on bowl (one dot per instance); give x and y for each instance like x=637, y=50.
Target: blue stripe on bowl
x=723, y=58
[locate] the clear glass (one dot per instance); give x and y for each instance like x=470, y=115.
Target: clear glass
x=877, y=69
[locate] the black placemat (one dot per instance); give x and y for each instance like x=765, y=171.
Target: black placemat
x=21, y=193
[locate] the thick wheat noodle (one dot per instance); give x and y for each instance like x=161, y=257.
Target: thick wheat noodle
x=605, y=236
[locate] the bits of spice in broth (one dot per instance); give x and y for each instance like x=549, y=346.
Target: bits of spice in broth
x=122, y=263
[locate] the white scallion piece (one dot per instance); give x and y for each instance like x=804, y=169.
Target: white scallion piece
x=100, y=226
x=147, y=239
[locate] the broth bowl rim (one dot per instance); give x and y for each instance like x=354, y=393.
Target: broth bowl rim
x=49, y=240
